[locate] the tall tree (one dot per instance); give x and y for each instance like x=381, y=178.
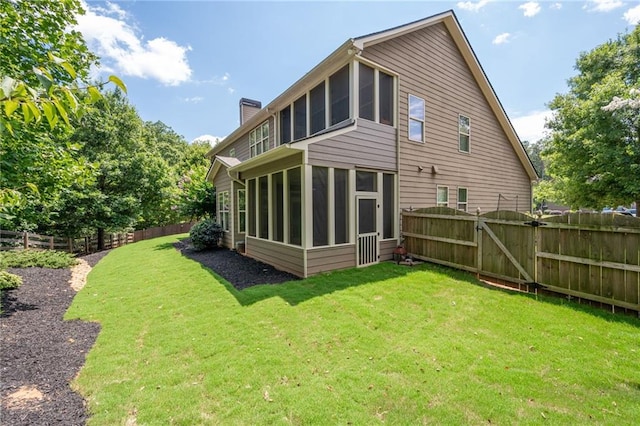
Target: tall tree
x=594, y=151
x=44, y=72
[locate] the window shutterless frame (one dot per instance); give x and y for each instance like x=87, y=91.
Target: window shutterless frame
x=464, y=133
x=442, y=196
x=416, y=124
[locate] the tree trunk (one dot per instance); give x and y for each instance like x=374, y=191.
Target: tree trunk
x=100, y=239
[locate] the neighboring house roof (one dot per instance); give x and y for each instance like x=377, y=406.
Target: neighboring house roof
x=355, y=46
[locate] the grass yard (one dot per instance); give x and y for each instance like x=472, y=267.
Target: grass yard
x=384, y=344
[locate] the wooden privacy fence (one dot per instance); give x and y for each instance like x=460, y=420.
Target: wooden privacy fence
x=589, y=256
x=11, y=240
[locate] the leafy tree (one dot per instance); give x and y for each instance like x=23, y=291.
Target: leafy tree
x=593, y=154
x=534, y=150
x=44, y=72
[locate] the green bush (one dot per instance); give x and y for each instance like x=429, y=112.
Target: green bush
x=206, y=234
x=41, y=258
x=9, y=281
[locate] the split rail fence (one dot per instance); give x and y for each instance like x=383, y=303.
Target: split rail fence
x=11, y=240
x=587, y=256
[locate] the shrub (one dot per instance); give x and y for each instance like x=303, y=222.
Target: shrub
x=206, y=234
x=41, y=258
x=9, y=281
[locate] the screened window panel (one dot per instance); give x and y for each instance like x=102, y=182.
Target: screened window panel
x=285, y=125
x=320, y=206
x=462, y=199
x=366, y=181
x=318, y=120
x=251, y=206
x=385, y=83
x=442, y=196
x=277, y=198
x=464, y=129
x=300, y=118
x=388, y=209
x=295, y=205
x=366, y=92
x=263, y=207
x=366, y=215
x=339, y=95
x=341, y=205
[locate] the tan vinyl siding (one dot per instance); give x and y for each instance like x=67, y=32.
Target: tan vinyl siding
x=272, y=167
x=430, y=66
x=241, y=145
x=330, y=258
x=222, y=182
x=281, y=256
x=386, y=249
x=371, y=145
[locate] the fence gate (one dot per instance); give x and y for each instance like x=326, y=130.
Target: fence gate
x=507, y=246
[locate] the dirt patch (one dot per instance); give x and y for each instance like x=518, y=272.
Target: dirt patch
x=79, y=274
x=24, y=398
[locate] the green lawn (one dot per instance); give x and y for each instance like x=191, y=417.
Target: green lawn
x=384, y=344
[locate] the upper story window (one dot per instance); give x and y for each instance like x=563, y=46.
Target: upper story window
x=300, y=118
x=318, y=116
x=376, y=101
x=464, y=132
x=416, y=118
x=259, y=139
x=285, y=125
x=366, y=92
x=385, y=95
x=339, y=95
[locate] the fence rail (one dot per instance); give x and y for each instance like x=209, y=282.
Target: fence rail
x=589, y=256
x=12, y=240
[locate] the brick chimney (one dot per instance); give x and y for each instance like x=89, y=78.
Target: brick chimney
x=248, y=108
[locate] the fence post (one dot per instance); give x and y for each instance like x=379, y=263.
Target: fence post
x=86, y=245
x=70, y=242
x=479, y=238
x=25, y=239
x=51, y=243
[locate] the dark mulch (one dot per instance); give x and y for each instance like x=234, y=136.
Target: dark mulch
x=241, y=271
x=40, y=354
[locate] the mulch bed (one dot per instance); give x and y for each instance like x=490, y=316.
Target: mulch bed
x=241, y=271
x=40, y=354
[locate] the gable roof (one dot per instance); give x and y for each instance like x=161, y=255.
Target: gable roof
x=354, y=46
x=218, y=163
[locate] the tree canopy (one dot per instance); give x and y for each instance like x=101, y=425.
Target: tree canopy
x=593, y=153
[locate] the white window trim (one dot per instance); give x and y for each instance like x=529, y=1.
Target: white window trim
x=423, y=121
x=458, y=202
x=223, y=223
x=259, y=143
x=240, y=230
x=438, y=204
x=465, y=134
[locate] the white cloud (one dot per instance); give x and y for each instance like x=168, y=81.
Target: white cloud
x=556, y=6
x=530, y=127
x=602, y=5
x=123, y=51
x=472, y=6
x=193, y=100
x=632, y=16
x=213, y=140
x=531, y=8
x=502, y=38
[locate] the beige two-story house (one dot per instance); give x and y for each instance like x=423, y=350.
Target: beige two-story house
x=403, y=118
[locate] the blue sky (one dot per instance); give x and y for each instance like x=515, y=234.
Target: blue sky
x=187, y=63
